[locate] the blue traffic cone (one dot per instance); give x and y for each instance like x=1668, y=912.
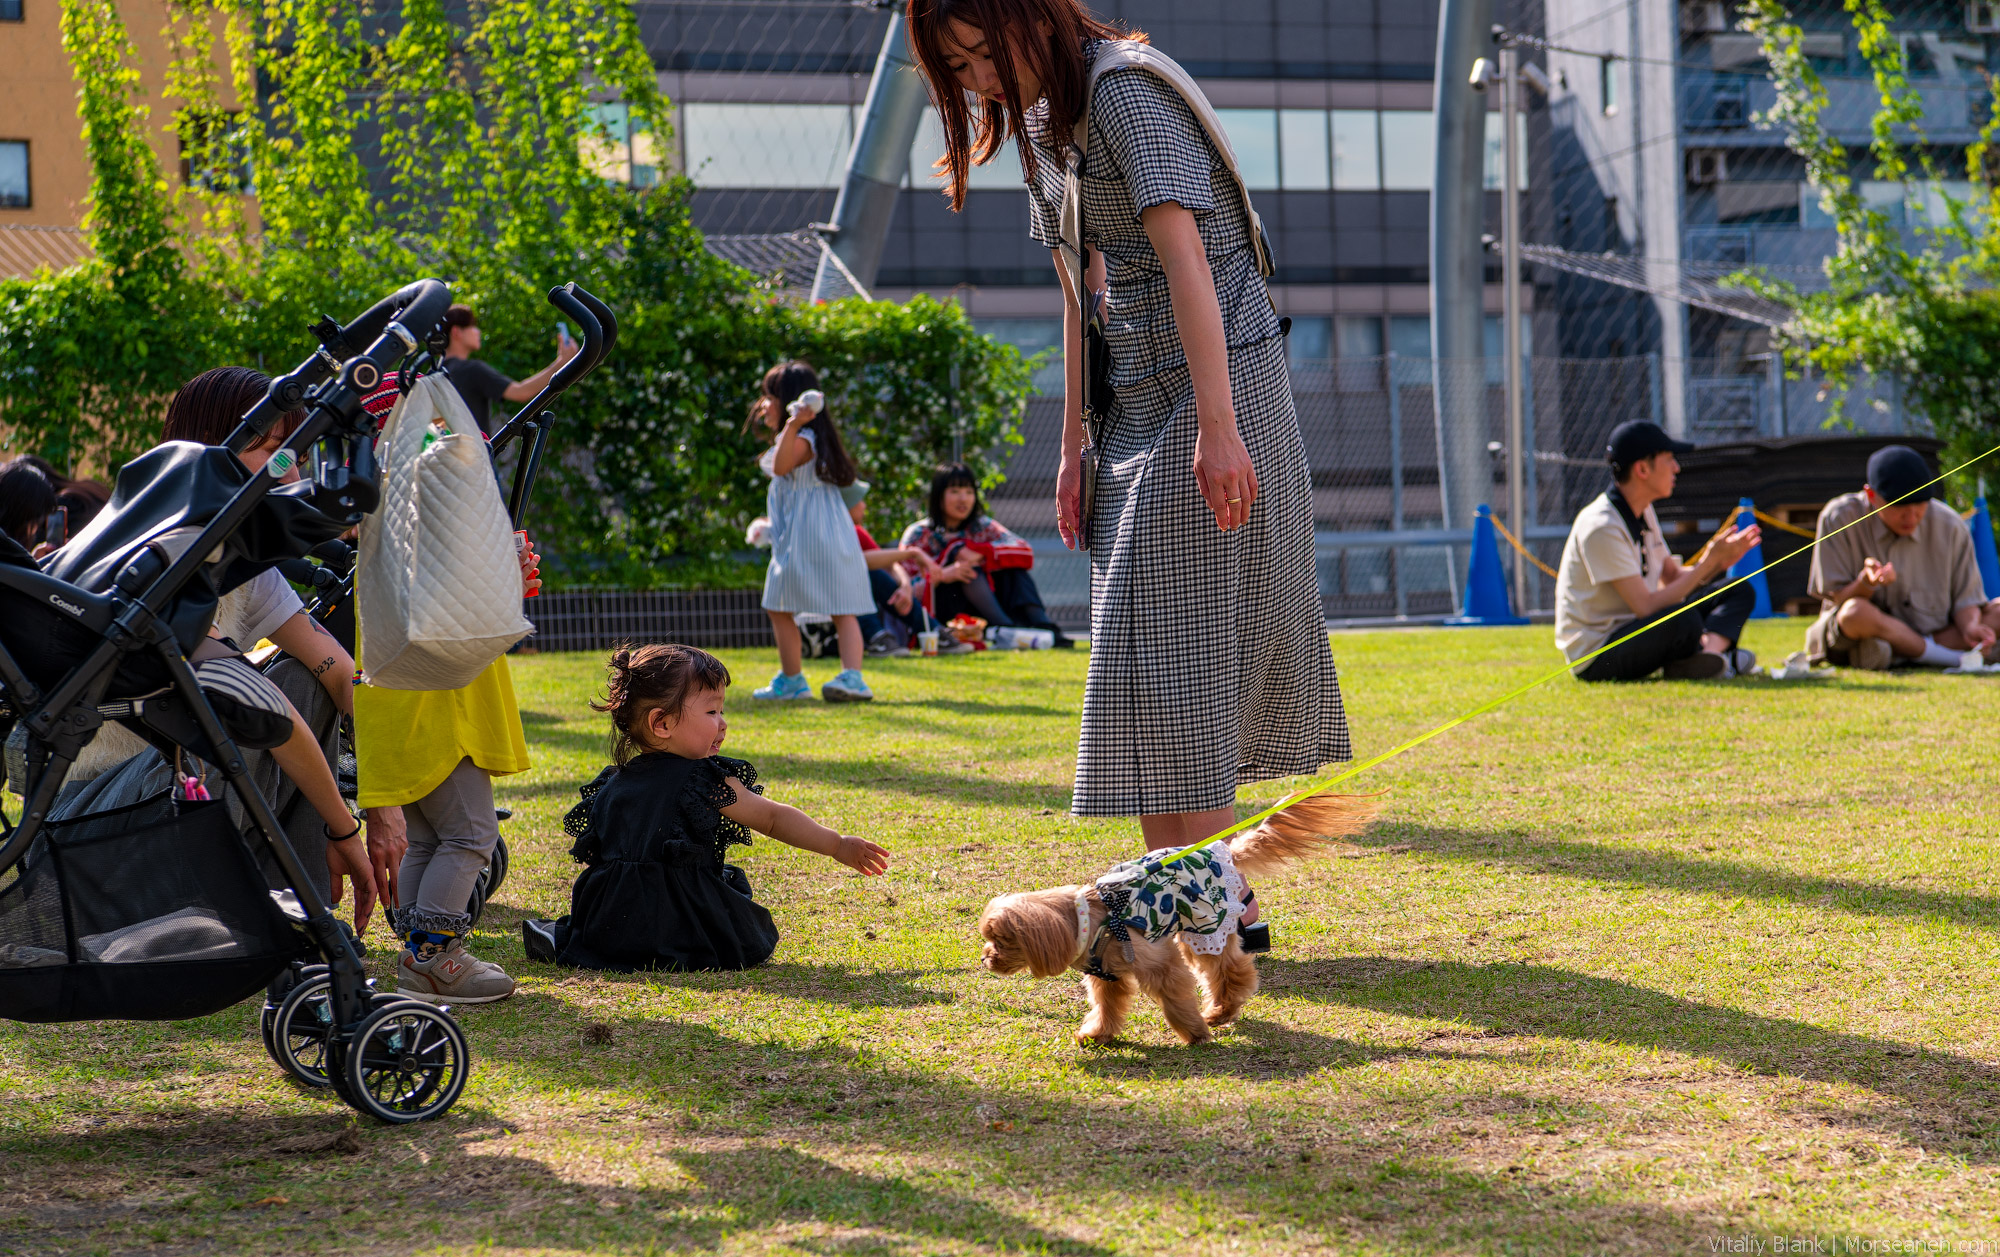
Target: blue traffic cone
x=1983, y=548
x=1752, y=565
x=1486, y=599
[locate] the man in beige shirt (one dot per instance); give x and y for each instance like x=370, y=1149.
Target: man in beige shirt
x=1618, y=578
x=1902, y=583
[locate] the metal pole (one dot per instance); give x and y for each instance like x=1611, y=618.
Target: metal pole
x=877, y=164
x=1458, y=263
x=1395, y=476
x=1510, y=305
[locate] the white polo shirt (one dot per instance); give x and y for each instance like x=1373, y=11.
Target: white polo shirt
x=1600, y=550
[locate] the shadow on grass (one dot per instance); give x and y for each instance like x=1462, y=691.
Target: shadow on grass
x=1652, y=868
x=946, y=789
x=830, y=984
x=767, y=1135
x=1948, y=1101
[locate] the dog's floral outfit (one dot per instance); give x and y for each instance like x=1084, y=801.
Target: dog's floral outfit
x=1198, y=896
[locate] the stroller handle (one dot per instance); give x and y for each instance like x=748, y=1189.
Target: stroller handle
x=415, y=309
x=600, y=332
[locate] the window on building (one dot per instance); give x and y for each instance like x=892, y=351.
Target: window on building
x=1496, y=152
x=1360, y=336
x=1311, y=343
x=1409, y=146
x=1002, y=174
x=618, y=148
x=15, y=193
x=1357, y=161
x=1410, y=335
x=1253, y=133
x=215, y=154
x=766, y=146
x=1303, y=155
x=1609, y=70
x=10, y=10
x=1032, y=336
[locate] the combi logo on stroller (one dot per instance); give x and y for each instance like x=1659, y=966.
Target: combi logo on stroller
x=159, y=910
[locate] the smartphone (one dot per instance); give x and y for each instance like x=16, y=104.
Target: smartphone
x=562, y=331
x=55, y=528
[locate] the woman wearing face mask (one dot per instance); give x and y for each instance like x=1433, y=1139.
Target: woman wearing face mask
x=1209, y=664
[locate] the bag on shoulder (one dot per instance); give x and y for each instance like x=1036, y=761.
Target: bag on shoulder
x=437, y=583
x=1091, y=311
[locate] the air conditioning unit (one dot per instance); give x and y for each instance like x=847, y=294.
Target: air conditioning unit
x=1707, y=166
x=1982, y=17
x=1702, y=17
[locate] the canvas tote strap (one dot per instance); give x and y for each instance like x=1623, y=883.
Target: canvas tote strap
x=1118, y=54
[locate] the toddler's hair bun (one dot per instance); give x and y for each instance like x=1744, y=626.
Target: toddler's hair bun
x=622, y=660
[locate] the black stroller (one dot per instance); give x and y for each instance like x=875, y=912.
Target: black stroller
x=160, y=910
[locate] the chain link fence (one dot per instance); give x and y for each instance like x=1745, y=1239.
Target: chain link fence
x=1371, y=436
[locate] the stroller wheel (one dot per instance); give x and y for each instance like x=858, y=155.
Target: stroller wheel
x=303, y=1027
x=482, y=886
x=407, y=1061
x=497, y=866
x=281, y=986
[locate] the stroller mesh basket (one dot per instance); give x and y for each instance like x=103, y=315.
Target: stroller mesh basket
x=150, y=912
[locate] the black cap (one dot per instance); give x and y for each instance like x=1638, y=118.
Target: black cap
x=1633, y=441
x=1897, y=472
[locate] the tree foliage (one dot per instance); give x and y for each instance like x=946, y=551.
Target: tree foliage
x=456, y=138
x=1915, y=299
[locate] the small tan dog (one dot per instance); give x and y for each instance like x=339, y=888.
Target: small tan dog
x=1048, y=931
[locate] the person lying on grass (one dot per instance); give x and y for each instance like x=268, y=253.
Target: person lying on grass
x=655, y=826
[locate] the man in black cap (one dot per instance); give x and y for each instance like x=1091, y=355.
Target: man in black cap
x=481, y=385
x=1902, y=583
x=1617, y=577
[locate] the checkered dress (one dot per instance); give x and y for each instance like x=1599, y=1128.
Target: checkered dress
x=1209, y=664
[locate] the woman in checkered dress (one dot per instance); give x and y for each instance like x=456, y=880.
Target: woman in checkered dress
x=1209, y=664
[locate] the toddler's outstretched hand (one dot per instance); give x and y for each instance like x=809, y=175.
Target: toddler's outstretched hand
x=862, y=855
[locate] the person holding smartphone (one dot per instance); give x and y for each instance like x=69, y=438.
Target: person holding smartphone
x=478, y=382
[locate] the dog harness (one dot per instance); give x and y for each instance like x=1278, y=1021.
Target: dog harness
x=1199, y=896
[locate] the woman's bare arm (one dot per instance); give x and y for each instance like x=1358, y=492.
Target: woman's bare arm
x=1221, y=461
x=303, y=639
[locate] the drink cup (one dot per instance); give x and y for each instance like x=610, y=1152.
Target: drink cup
x=927, y=642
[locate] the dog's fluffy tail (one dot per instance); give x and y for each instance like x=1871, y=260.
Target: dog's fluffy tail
x=1301, y=830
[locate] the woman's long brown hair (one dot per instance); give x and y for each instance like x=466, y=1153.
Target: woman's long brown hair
x=1010, y=27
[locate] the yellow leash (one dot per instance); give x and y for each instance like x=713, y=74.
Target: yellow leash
x=1565, y=669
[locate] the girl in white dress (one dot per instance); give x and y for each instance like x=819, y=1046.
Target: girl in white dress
x=816, y=562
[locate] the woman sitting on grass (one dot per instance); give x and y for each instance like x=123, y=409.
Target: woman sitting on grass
x=654, y=827
x=985, y=566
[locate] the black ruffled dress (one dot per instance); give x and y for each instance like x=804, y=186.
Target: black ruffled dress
x=657, y=893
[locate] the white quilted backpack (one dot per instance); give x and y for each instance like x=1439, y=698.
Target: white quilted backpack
x=437, y=583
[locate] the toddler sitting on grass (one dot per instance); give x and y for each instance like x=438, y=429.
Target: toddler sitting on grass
x=655, y=827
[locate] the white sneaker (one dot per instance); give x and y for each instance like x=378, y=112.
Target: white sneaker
x=452, y=975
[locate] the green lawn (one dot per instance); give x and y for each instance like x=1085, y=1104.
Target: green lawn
x=1620, y=969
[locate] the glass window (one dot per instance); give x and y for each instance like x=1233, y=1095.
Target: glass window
x=1032, y=336
x=1495, y=153
x=1357, y=162
x=1253, y=133
x=1003, y=173
x=1360, y=336
x=1408, y=148
x=766, y=146
x=1311, y=342
x=10, y=10
x=1607, y=84
x=14, y=190
x=1410, y=335
x=1302, y=150
x=614, y=150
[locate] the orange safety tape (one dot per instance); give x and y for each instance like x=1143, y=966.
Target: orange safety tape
x=1521, y=549
x=1566, y=669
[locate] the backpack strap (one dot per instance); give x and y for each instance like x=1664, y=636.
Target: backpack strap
x=1120, y=54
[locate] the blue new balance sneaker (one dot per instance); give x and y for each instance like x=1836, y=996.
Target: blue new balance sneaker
x=785, y=686
x=848, y=687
